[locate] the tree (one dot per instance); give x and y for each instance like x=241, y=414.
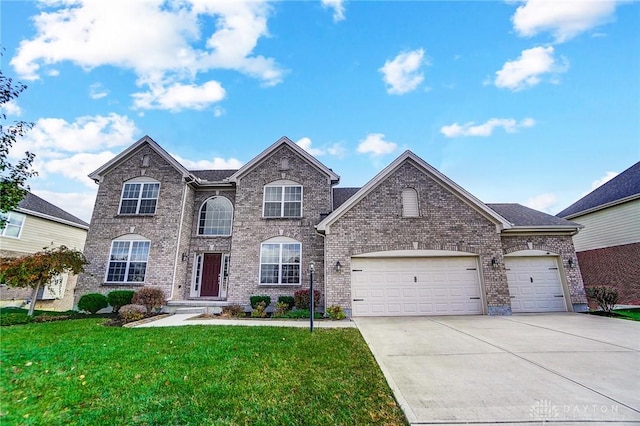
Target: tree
x=13, y=177
x=40, y=269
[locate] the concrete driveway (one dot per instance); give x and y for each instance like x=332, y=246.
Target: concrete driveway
x=524, y=369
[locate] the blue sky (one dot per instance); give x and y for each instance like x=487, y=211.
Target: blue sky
x=534, y=102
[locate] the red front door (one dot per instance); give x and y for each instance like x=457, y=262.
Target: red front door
x=211, y=275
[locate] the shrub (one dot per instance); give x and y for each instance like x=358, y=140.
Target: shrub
x=281, y=309
x=15, y=318
x=233, y=311
x=301, y=313
x=92, y=302
x=336, y=312
x=255, y=300
x=606, y=297
x=150, y=297
x=132, y=312
x=303, y=301
x=289, y=300
x=259, y=311
x=118, y=298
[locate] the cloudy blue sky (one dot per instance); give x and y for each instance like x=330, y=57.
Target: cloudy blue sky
x=534, y=101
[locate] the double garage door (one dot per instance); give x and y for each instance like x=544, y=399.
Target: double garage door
x=449, y=286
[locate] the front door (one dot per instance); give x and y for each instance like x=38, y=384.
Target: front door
x=211, y=275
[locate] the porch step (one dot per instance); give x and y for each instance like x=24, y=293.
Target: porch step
x=190, y=310
x=195, y=306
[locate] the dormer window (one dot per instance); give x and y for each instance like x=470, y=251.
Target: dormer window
x=282, y=199
x=139, y=197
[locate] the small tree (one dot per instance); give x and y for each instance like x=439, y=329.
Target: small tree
x=39, y=269
x=606, y=297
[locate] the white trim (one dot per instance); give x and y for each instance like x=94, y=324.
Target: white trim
x=530, y=253
x=52, y=218
x=20, y=228
x=280, y=241
x=196, y=275
x=444, y=181
x=128, y=261
x=416, y=253
x=288, y=142
x=282, y=200
x=200, y=213
x=142, y=182
x=178, y=248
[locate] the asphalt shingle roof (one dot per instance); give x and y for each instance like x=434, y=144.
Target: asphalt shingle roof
x=520, y=215
x=213, y=175
x=625, y=185
x=340, y=195
x=36, y=204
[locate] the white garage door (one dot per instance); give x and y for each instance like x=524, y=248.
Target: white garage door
x=534, y=284
x=415, y=286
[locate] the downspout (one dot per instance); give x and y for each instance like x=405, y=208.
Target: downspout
x=324, y=284
x=175, y=260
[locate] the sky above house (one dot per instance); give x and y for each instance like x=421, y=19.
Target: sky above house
x=534, y=102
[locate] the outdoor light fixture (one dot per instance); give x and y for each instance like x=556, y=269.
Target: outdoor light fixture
x=185, y=256
x=494, y=262
x=570, y=262
x=338, y=266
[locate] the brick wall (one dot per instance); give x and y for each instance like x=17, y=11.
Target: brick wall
x=162, y=228
x=617, y=267
x=250, y=229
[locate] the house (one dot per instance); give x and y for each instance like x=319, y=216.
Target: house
x=608, y=247
x=409, y=242
x=37, y=224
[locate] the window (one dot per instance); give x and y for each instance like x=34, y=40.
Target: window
x=280, y=263
x=216, y=215
x=410, y=203
x=13, y=226
x=139, y=198
x=282, y=200
x=128, y=261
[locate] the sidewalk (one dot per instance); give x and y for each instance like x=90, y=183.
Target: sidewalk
x=184, y=319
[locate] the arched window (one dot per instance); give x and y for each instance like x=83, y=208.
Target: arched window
x=216, y=215
x=282, y=198
x=128, y=259
x=280, y=261
x=410, y=203
x=139, y=196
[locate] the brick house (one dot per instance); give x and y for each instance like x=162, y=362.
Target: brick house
x=410, y=242
x=608, y=248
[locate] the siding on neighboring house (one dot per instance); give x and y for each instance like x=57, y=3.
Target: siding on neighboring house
x=609, y=227
x=38, y=233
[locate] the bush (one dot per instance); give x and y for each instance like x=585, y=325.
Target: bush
x=336, y=312
x=606, y=297
x=301, y=313
x=92, y=302
x=233, y=311
x=152, y=298
x=259, y=311
x=255, y=300
x=119, y=298
x=15, y=318
x=289, y=300
x=303, y=301
x=281, y=310
x=132, y=312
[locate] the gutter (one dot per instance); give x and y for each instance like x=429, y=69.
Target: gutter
x=602, y=206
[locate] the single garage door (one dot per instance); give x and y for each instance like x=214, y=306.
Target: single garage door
x=415, y=286
x=534, y=284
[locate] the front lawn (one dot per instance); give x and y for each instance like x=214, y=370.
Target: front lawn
x=81, y=372
x=631, y=313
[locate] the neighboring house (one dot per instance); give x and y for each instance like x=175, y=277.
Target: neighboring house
x=410, y=242
x=37, y=224
x=608, y=247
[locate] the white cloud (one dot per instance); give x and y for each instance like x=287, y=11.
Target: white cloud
x=158, y=40
x=509, y=125
x=402, y=74
x=75, y=167
x=96, y=91
x=79, y=204
x=375, y=145
x=528, y=69
x=599, y=182
x=542, y=202
x=11, y=108
x=338, y=8
x=337, y=149
x=216, y=164
x=177, y=96
x=218, y=111
x=564, y=19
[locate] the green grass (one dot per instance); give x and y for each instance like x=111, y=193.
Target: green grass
x=83, y=373
x=633, y=313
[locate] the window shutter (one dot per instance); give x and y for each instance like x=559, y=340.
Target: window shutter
x=409, y=203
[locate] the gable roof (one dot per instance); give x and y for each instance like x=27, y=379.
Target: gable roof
x=525, y=217
x=340, y=195
x=428, y=170
x=33, y=205
x=622, y=188
x=289, y=143
x=99, y=173
x=213, y=175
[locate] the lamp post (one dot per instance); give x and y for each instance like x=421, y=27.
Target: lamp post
x=312, y=307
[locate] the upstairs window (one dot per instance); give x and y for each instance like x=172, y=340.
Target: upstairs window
x=13, y=226
x=216, y=215
x=282, y=200
x=410, y=203
x=280, y=262
x=128, y=261
x=139, y=198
